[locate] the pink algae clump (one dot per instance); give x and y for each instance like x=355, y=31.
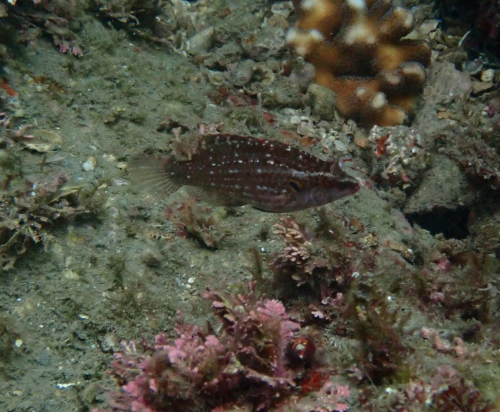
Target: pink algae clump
x=246, y=365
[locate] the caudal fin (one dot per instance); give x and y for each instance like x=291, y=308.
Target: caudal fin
x=148, y=173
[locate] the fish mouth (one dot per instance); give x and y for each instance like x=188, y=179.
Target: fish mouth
x=346, y=187
x=349, y=184
x=355, y=187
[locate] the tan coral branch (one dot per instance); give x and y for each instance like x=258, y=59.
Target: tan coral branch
x=357, y=49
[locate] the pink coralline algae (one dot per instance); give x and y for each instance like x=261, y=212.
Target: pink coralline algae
x=246, y=365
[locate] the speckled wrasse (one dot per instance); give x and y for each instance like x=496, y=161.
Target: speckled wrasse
x=232, y=170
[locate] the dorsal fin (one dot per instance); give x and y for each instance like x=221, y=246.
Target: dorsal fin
x=149, y=174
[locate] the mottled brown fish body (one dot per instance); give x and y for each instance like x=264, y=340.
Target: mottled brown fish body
x=237, y=170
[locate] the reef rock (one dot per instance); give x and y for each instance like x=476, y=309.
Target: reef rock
x=443, y=186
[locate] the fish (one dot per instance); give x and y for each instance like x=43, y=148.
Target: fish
x=234, y=170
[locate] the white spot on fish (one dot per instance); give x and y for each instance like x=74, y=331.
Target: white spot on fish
x=271, y=162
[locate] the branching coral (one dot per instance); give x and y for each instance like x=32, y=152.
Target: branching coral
x=357, y=49
x=247, y=365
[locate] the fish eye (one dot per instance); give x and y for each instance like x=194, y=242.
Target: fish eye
x=328, y=181
x=296, y=186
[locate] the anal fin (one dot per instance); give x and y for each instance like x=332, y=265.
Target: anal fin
x=213, y=197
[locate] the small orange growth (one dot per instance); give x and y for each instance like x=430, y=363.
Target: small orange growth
x=289, y=135
x=381, y=145
x=269, y=118
x=241, y=100
x=52, y=86
x=304, y=141
x=251, y=39
x=40, y=79
x=7, y=87
x=226, y=12
x=220, y=96
x=356, y=223
x=307, y=141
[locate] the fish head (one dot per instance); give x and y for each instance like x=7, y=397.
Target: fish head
x=317, y=189
x=334, y=186
x=337, y=184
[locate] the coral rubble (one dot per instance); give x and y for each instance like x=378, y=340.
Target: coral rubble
x=358, y=50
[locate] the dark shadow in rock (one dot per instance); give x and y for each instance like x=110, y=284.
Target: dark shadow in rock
x=451, y=223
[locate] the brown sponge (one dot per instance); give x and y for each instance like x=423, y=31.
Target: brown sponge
x=357, y=49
